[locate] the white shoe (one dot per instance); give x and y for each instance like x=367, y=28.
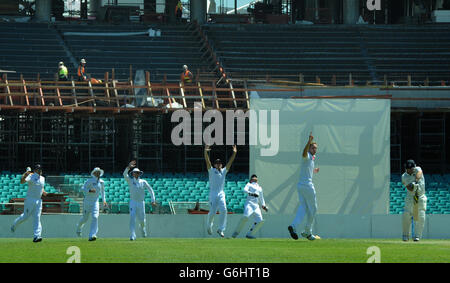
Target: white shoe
x=220, y=233
x=235, y=234
x=416, y=239
x=209, y=230
x=313, y=237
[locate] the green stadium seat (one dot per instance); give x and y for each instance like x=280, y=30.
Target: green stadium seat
x=74, y=208
x=124, y=208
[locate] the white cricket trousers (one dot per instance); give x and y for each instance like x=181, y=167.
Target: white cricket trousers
x=32, y=207
x=217, y=202
x=249, y=210
x=137, y=209
x=90, y=207
x=416, y=210
x=307, y=209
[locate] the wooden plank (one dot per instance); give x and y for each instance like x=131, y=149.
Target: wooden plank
x=116, y=95
x=233, y=95
x=246, y=94
x=149, y=87
x=106, y=87
x=8, y=91
x=59, y=97
x=201, y=94
x=27, y=100
x=214, y=93
x=92, y=94
x=168, y=94
x=41, y=94
x=182, y=94
x=74, y=94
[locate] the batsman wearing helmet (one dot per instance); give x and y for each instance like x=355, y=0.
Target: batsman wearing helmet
x=415, y=200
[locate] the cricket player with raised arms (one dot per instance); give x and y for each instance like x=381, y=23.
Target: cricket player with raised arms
x=137, y=188
x=307, y=209
x=217, y=200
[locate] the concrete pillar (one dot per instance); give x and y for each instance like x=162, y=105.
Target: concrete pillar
x=43, y=10
x=211, y=6
x=198, y=11
x=351, y=11
x=94, y=7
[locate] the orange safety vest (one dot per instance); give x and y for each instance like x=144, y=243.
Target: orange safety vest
x=187, y=76
x=81, y=71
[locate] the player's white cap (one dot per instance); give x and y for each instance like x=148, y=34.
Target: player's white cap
x=136, y=170
x=97, y=169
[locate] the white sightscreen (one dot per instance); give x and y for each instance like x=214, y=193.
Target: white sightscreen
x=353, y=136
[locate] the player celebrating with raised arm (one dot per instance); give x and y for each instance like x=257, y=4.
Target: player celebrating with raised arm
x=415, y=200
x=254, y=198
x=216, y=194
x=306, y=193
x=92, y=189
x=137, y=188
x=33, y=201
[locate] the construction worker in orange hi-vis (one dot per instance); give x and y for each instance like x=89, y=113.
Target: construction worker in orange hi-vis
x=186, y=76
x=179, y=11
x=81, y=71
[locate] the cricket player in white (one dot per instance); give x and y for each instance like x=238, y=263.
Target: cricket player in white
x=254, y=197
x=217, y=200
x=137, y=188
x=415, y=201
x=307, y=194
x=92, y=189
x=33, y=201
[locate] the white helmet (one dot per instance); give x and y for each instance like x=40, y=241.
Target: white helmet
x=83, y=61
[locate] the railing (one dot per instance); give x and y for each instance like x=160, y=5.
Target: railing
x=123, y=97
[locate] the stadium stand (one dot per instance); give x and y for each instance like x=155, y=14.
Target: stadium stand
x=367, y=53
x=417, y=51
x=193, y=187
x=257, y=51
x=161, y=55
x=29, y=49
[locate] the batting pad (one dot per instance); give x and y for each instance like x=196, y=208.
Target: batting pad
x=353, y=137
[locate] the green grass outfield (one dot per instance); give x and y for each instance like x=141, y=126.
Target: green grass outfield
x=215, y=250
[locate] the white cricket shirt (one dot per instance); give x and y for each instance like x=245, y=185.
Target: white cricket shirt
x=36, y=185
x=216, y=180
x=408, y=179
x=254, y=188
x=307, y=169
x=137, y=187
x=98, y=185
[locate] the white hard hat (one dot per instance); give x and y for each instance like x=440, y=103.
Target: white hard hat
x=97, y=169
x=185, y=67
x=83, y=61
x=61, y=63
